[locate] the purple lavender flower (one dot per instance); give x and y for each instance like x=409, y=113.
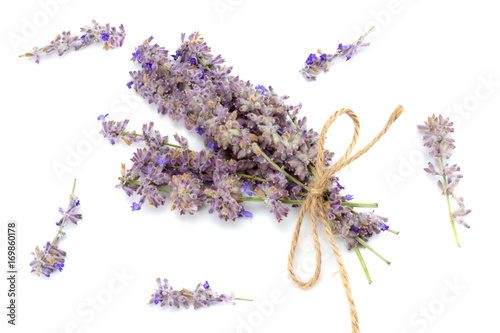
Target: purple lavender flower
x=245, y=189
x=59, y=266
x=70, y=213
x=136, y=55
x=245, y=213
x=261, y=88
x=199, y=130
x=203, y=295
x=212, y=146
x=46, y=261
x=436, y=137
x=314, y=63
x=272, y=195
x=310, y=59
x=187, y=194
x=130, y=84
x=135, y=206
x=102, y=117
x=63, y=42
x=161, y=161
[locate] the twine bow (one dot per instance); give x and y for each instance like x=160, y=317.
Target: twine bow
x=314, y=205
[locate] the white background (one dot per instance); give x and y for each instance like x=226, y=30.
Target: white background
x=431, y=57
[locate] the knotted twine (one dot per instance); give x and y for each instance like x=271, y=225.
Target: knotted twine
x=314, y=205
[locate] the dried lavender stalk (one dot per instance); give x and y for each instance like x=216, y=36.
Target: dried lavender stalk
x=111, y=36
x=52, y=258
x=436, y=137
x=321, y=61
x=203, y=295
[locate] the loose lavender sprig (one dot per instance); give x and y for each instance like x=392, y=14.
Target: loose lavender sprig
x=314, y=63
x=203, y=295
x=111, y=36
x=436, y=137
x=52, y=258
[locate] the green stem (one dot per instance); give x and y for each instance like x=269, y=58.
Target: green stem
x=362, y=242
x=292, y=118
x=243, y=299
x=165, y=143
x=393, y=231
x=445, y=184
x=203, y=64
x=366, y=34
x=296, y=181
x=254, y=199
x=360, y=204
x=252, y=177
x=360, y=257
x=64, y=219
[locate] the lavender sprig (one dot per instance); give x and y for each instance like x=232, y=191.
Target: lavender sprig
x=203, y=295
x=52, y=258
x=314, y=63
x=436, y=137
x=111, y=36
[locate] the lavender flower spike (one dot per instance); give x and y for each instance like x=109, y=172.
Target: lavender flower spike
x=314, y=63
x=203, y=295
x=52, y=258
x=111, y=36
x=436, y=138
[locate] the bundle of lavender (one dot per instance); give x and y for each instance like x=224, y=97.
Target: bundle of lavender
x=257, y=147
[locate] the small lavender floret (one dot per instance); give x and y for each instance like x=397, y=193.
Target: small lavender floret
x=70, y=214
x=203, y=295
x=64, y=42
x=46, y=261
x=187, y=194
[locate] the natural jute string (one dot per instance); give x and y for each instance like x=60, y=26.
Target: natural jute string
x=314, y=205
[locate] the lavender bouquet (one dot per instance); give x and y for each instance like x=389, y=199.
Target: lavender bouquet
x=257, y=149
x=436, y=137
x=52, y=258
